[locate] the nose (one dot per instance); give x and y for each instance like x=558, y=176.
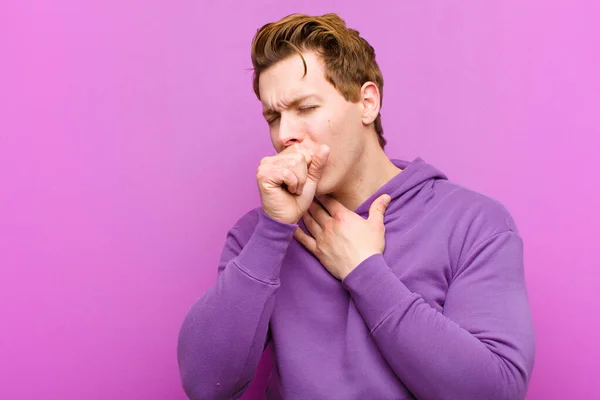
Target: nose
x=289, y=131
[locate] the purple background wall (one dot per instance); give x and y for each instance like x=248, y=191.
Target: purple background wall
x=130, y=136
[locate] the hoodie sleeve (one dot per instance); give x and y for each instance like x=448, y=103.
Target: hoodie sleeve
x=224, y=333
x=480, y=347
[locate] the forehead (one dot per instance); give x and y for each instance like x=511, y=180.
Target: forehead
x=286, y=79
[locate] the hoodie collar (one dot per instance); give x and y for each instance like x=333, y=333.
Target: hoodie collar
x=413, y=176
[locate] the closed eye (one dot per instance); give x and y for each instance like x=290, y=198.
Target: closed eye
x=304, y=109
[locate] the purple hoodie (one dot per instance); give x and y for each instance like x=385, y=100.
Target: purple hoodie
x=442, y=314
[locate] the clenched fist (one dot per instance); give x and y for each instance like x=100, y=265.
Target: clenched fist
x=287, y=182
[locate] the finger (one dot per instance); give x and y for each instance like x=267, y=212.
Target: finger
x=294, y=151
x=318, y=213
x=315, y=170
x=269, y=175
x=378, y=207
x=290, y=180
x=312, y=225
x=333, y=207
x=307, y=154
x=301, y=169
x=297, y=164
x=309, y=243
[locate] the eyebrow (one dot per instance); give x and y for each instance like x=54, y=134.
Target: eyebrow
x=294, y=102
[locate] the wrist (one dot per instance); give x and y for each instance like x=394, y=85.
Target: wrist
x=357, y=262
x=283, y=220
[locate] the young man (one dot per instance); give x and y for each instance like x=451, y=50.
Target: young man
x=371, y=278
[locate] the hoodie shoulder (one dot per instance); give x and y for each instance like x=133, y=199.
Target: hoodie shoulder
x=481, y=212
x=473, y=218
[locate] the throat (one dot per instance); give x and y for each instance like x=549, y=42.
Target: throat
x=363, y=183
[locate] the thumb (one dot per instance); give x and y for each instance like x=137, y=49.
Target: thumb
x=315, y=169
x=377, y=209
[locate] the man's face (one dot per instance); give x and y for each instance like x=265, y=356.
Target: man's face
x=310, y=111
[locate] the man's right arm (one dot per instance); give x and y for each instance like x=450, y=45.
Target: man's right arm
x=224, y=333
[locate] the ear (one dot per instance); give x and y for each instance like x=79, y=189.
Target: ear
x=371, y=101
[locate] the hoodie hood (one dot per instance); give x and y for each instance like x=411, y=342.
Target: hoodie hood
x=415, y=176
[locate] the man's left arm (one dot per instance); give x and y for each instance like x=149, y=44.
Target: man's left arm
x=480, y=347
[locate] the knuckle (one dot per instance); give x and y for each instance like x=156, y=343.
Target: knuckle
x=262, y=171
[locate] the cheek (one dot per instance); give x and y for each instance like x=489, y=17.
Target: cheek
x=317, y=131
x=344, y=122
x=320, y=125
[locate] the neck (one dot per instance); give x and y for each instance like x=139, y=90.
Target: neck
x=373, y=170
